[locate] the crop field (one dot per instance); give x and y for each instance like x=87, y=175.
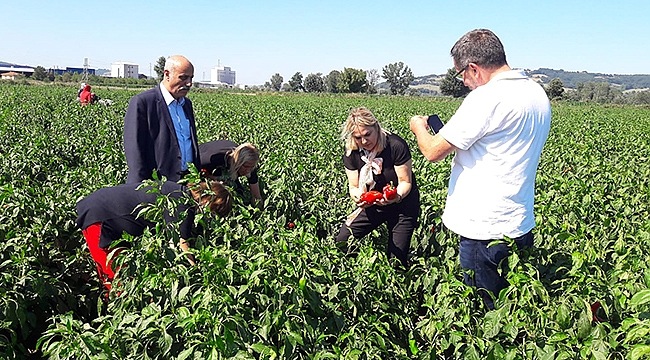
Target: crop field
x=263, y=290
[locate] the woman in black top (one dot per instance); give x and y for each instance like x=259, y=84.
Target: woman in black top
x=106, y=214
x=374, y=158
x=226, y=161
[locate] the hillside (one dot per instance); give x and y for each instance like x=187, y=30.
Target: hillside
x=571, y=79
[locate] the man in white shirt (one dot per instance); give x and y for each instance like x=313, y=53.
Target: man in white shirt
x=497, y=135
x=159, y=127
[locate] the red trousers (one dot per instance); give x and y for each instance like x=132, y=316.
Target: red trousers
x=104, y=270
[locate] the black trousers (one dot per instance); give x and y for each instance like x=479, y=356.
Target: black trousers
x=401, y=226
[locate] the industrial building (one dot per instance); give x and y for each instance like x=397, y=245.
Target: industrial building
x=222, y=75
x=124, y=70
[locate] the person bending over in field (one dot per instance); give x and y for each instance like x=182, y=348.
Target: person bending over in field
x=86, y=96
x=226, y=161
x=108, y=212
x=374, y=159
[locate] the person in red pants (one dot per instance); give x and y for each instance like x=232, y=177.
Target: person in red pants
x=106, y=214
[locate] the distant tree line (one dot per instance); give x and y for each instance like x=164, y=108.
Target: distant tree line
x=581, y=86
x=598, y=92
x=349, y=80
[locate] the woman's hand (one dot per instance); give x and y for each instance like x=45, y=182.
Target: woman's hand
x=365, y=204
x=185, y=247
x=384, y=201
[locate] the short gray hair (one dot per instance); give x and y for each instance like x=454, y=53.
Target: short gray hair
x=479, y=46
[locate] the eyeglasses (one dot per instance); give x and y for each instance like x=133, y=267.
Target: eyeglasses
x=459, y=75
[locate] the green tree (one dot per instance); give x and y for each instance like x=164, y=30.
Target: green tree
x=555, y=89
x=639, y=97
x=353, y=81
x=372, y=77
x=451, y=86
x=295, y=83
x=314, y=83
x=600, y=92
x=39, y=73
x=276, y=81
x=332, y=81
x=159, y=68
x=398, y=76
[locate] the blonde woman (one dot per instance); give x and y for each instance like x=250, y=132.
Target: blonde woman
x=373, y=159
x=226, y=161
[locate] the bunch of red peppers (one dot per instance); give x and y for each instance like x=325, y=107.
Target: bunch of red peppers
x=389, y=192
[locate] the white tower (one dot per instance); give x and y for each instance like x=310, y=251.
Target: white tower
x=84, y=74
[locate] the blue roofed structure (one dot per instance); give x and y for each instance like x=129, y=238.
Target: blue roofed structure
x=21, y=69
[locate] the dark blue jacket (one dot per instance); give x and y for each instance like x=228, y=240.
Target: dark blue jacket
x=116, y=208
x=150, y=141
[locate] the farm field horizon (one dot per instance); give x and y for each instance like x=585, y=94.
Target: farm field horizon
x=262, y=290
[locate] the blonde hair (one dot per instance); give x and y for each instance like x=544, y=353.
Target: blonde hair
x=217, y=198
x=361, y=116
x=243, y=154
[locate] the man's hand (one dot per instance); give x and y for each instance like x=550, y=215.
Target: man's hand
x=418, y=123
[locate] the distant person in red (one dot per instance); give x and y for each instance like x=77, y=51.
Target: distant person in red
x=86, y=96
x=107, y=213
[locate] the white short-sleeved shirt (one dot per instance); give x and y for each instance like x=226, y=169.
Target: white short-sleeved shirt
x=499, y=132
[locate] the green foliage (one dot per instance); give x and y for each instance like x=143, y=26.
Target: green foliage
x=276, y=82
x=262, y=290
x=159, y=68
x=332, y=81
x=451, y=86
x=39, y=73
x=598, y=92
x=372, y=77
x=399, y=76
x=555, y=89
x=295, y=83
x=571, y=79
x=352, y=81
x=314, y=83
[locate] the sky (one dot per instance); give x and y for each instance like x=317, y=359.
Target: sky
x=260, y=38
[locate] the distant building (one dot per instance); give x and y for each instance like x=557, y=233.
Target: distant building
x=124, y=70
x=11, y=75
x=222, y=74
x=21, y=69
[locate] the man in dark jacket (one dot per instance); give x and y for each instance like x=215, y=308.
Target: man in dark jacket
x=159, y=127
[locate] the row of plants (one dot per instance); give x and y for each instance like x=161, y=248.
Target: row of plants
x=265, y=290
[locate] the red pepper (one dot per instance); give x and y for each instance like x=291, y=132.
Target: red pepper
x=596, y=312
x=390, y=192
x=371, y=196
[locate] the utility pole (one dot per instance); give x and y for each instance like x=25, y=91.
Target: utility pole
x=84, y=73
